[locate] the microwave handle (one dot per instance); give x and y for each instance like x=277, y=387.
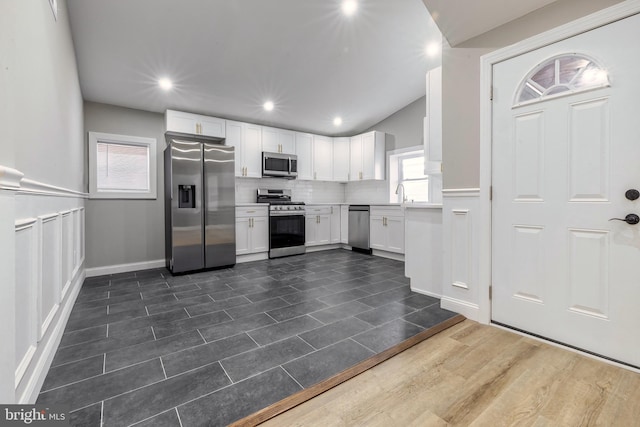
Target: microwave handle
x=289, y=164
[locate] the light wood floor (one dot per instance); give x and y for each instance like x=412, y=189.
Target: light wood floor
x=478, y=375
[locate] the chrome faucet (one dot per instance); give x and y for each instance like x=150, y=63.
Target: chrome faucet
x=404, y=196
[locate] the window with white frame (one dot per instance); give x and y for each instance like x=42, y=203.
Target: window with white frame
x=122, y=167
x=407, y=179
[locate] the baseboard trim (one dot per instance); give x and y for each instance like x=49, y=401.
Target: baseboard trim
x=32, y=389
x=252, y=257
x=323, y=247
x=467, y=309
x=124, y=268
x=313, y=391
x=427, y=293
x=389, y=255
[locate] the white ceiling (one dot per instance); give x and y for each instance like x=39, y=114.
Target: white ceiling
x=478, y=16
x=227, y=58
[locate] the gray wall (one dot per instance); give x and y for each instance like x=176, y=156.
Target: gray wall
x=41, y=113
x=404, y=128
x=461, y=84
x=125, y=231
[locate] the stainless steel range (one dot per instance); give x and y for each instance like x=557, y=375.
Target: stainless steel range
x=286, y=223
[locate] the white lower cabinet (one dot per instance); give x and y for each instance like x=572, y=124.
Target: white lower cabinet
x=335, y=225
x=387, y=229
x=252, y=230
x=344, y=224
x=318, y=225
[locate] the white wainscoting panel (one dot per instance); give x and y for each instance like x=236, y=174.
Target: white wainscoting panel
x=460, y=246
x=42, y=227
x=49, y=271
x=26, y=309
x=67, y=252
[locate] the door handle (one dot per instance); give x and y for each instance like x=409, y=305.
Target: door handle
x=631, y=219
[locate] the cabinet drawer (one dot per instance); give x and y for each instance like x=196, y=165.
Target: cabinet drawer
x=395, y=211
x=246, y=212
x=318, y=210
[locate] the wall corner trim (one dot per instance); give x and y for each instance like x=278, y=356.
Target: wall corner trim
x=10, y=178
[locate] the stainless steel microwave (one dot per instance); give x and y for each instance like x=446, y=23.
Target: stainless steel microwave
x=279, y=165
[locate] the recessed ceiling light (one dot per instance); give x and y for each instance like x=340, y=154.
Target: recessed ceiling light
x=337, y=121
x=268, y=105
x=433, y=49
x=349, y=7
x=165, y=83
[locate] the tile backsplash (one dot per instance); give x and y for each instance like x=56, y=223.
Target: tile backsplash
x=305, y=191
x=365, y=192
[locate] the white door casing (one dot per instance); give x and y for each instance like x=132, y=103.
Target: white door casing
x=560, y=170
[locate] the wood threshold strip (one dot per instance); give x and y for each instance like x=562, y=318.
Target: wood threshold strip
x=309, y=393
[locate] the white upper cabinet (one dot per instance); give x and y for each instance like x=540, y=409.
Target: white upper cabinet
x=304, y=151
x=322, y=158
x=433, y=122
x=341, y=159
x=276, y=140
x=247, y=139
x=177, y=121
x=367, y=156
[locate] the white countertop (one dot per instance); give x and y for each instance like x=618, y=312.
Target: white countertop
x=422, y=206
x=405, y=205
x=250, y=205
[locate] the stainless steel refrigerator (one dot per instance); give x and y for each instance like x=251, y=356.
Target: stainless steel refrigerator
x=200, y=223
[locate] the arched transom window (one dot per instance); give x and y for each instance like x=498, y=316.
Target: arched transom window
x=561, y=75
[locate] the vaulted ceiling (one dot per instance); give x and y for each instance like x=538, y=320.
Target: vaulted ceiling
x=461, y=20
x=226, y=58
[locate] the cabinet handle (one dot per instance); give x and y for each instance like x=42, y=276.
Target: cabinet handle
x=360, y=175
x=315, y=175
x=250, y=211
x=317, y=219
x=331, y=210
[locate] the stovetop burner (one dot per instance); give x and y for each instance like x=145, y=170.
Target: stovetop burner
x=276, y=197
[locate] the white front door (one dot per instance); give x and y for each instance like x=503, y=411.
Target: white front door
x=561, y=167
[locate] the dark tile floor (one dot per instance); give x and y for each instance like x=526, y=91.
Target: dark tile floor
x=210, y=348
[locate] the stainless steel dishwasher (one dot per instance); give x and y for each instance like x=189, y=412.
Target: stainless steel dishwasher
x=359, y=228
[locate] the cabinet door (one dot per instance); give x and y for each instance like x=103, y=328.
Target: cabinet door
x=344, y=224
x=177, y=121
x=287, y=140
x=322, y=158
x=252, y=149
x=234, y=138
x=311, y=225
x=304, y=151
x=395, y=234
x=341, y=159
x=335, y=224
x=242, y=236
x=323, y=231
x=260, y=234
x=270, y=141
x=212, y=126
x=355, y=158
x=369, y=155
x=377, y=232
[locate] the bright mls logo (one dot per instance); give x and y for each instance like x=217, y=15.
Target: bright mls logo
x=36, y=415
